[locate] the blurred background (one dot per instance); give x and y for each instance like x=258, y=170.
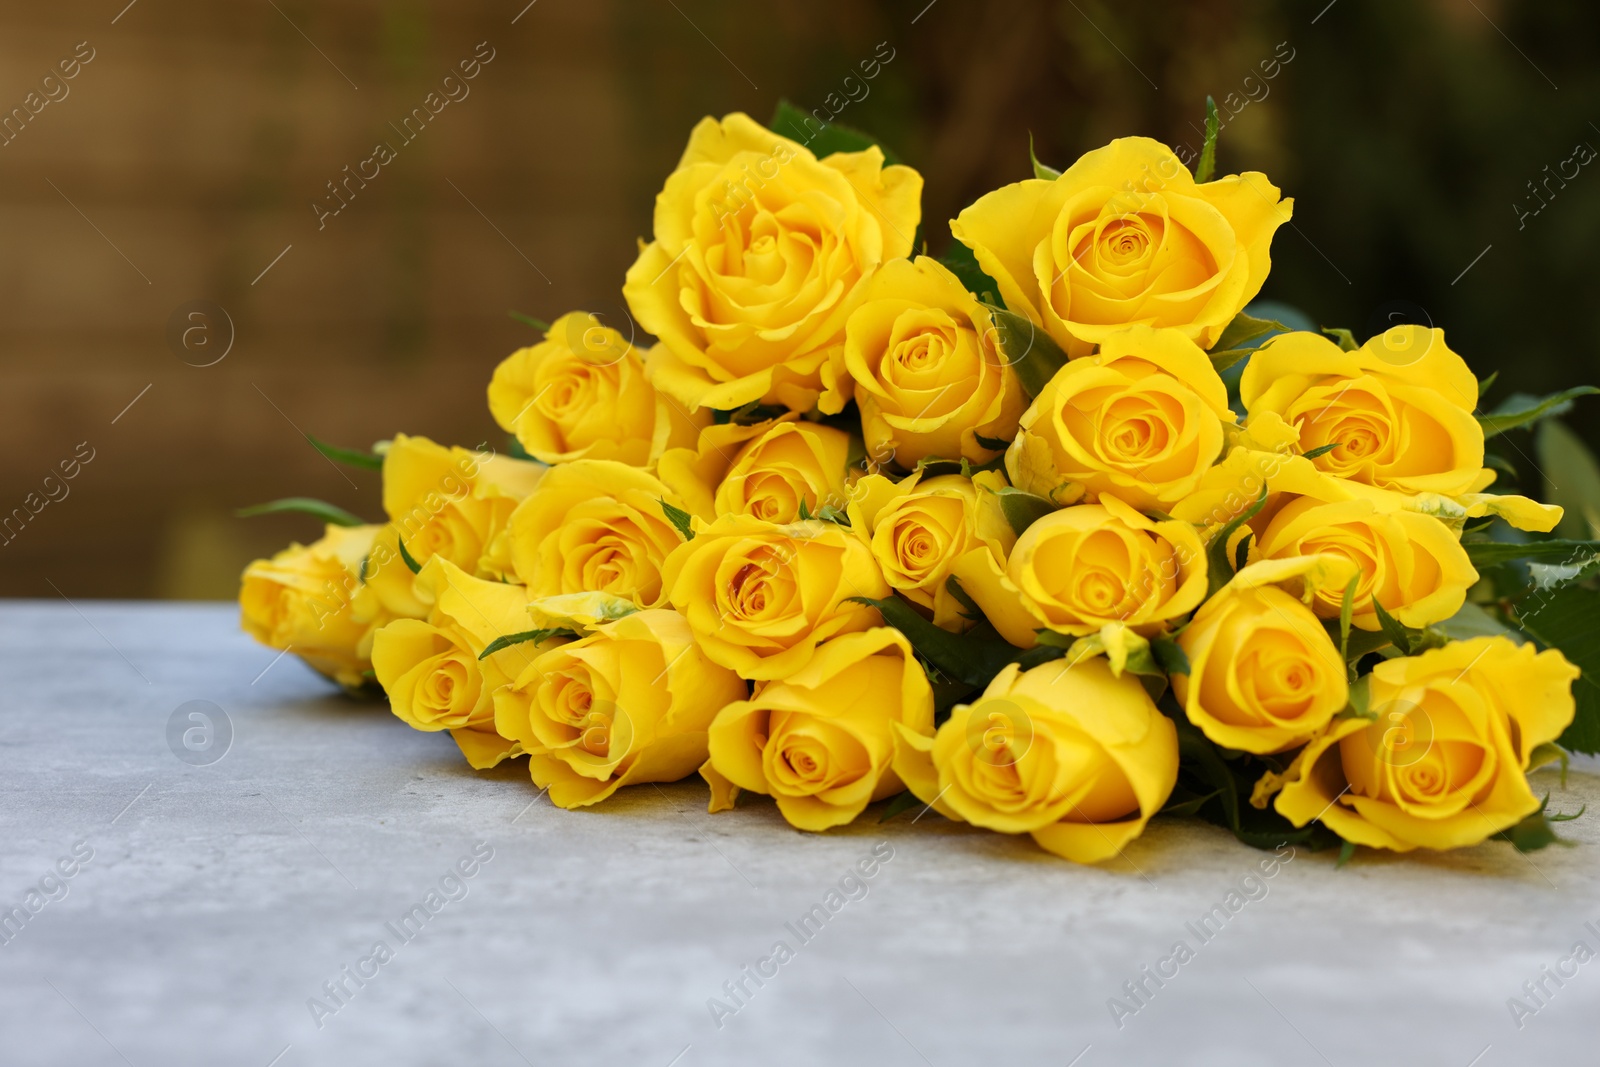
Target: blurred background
x=1430, y=146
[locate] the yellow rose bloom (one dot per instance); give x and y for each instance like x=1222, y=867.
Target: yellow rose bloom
x=922, y=530
x=929, y=376
x=581, y=393
x=1078, y=569
x=1443, y=764
x=431, y=670
x=1125, y=236
x=761, y=597
x=760, y=254
x=629, y=703
x=1410, y=563
x=1399, y=408
x=821, y=740
x=1142, y=420
x=448, y=502
x=767, y=469
x=595, y=526
x=304, y=599
x=1073, y=755
x=1264, y=675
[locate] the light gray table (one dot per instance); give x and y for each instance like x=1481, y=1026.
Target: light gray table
x=221, y=896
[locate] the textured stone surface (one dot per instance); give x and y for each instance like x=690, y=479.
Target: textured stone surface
x=220, y=898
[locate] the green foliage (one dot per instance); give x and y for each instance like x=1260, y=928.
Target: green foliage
x=1040, y=171
x=1032, y=353
x=1571, y=478
x=1521, y=410
x=961, y=262
x=1346, y=339
x=529, y=320
x=899, y=803
x=1206, y=169
x=1490, y=553
x=1241, y=337
x=823, y=138
x=526, y=635
x=371, y=461
x=1023, y=509
x=1567, y=617
x=1219, y=568
x=411, y=564
x=681, y=520
x=323, y=510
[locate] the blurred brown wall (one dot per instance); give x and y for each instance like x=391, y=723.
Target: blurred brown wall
x=188, y=153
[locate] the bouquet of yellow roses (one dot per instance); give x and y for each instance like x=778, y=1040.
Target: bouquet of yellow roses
x=1050, y=536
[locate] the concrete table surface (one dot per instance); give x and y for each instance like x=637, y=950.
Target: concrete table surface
x=214, y=902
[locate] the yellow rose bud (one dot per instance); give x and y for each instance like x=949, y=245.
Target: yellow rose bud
x=761, y=597
x=448, y=502
x=1410, y=563
x=595, y=525
x=629, y=703
x=1264, y=675
x=1143, y=420
x=1078, y=569
x=581, y=393
x=920, y=531
x=1126, y=236
x=1073, y=755
x=821, y=740
x=1443, y=764
x=305, y=599
x=1398, y=409
x=929, y=376
x=431, y=670
x=766, y=470
x=759, y=256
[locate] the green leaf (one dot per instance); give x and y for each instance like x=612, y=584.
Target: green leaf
x=1346, y=339
x=365, y=460
x=410, y=562
x=973, y=657
x=526, y=635
x=682, y=520
x=1521, y=410
x=823, y=138
x=1571, y=478
x=831, y=513
x=529, y=320
x=1399, y=636
x=1320, y=450
x=1032, y=353
x=1532, y=834
x=1170, y=655
x=1206, y=169
x=755, y=413
x=1241, y=553
x=320, y=508
x=1489, y=553
x=1218, y=565
x=993, y=444
x=1346, y=850
x=1567, y=618
x=1022, y=509
x=1241, y=338
x=1048, y=174
x=1347, y=609
x=970, y=608
x=1552, y=753
x=961, y=262
x=899, y=803
x=1485, y=384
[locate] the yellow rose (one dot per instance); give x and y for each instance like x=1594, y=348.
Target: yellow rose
x=929, y=377
x=766, y=470
x=1073, y=755
x=1125, y=236
x=1443, y=764
x=595, y=526
x=920, y=531
x=1398, y=409
x=761, y=597
x=1076, y=570
x=431, y=670
x=1410, y=563
x=1264, y=675
x=759, y=256
x=305, y=598
x=1142, y=420
x=821, y=740
x=581, y=393
x=629, y=703
x=448, y=502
